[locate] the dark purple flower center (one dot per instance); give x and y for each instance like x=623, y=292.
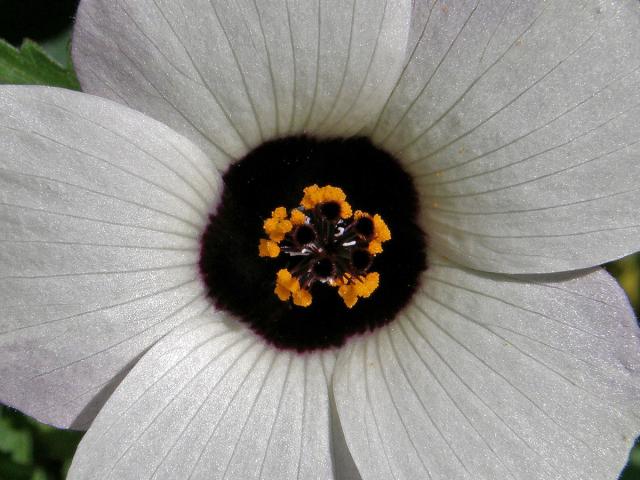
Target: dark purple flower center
x=241, y=282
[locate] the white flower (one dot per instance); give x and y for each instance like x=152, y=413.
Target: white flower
x=519, y=122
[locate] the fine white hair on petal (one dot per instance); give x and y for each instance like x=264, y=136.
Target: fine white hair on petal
x=488, y=376
x=211, y=401
x=521, y=124
x=101, y=211
x=230, y=75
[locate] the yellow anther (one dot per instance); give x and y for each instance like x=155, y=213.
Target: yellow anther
x=279, y=213
x=369, y=285
x=297, y=217
x=345, y=210
x=375, y=247
x=285, y=284
x=358, y=288
x=381, y=234
x=312, y=197
x=330, y=193
x=349, y=295
x=286, y=224
x=278, y=225
x=268, y=248
x=335, y=194
x=315, y=195
x=302, y=298
x=288, y=286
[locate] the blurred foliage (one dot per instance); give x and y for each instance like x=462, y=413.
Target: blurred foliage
x=632, y=472
x=627, y=272
x=30, y=64
x=30, y=450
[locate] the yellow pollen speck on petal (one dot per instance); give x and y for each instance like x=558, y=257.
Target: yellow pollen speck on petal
x=297, y=217
x=277, y=226
x=268, y=248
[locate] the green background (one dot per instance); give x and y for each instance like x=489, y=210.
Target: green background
x=30, y=450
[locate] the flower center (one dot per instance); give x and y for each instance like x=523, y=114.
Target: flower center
x=310, y=273
x=326, y=244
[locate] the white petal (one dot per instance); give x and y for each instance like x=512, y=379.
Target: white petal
x=101, y=211
x=212, y=401
x=344, y=466
x=490, y=377
x=521, y=124
x=232, y=74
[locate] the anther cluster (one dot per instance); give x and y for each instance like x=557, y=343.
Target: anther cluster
x=327, y=243
x=286, y=255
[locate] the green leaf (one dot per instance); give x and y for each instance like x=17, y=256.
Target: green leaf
x=632, y=471
x=39, y=474
x=56, y=445
x=31, y=65
x=16, y=443
x=10, y=470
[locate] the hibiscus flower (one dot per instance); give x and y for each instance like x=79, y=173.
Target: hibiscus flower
x=498, y=140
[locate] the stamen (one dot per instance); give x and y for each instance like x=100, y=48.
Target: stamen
x=330, y=210
x=288, y=286
x=268, y=248
x=361, y=260
x=315, y=195
x=381, y=234
x=324, y=269
x=326, y=244
x=297, y=217
x=352, y=288
x=304, y=234
x=277, y=226
x=364, y=227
